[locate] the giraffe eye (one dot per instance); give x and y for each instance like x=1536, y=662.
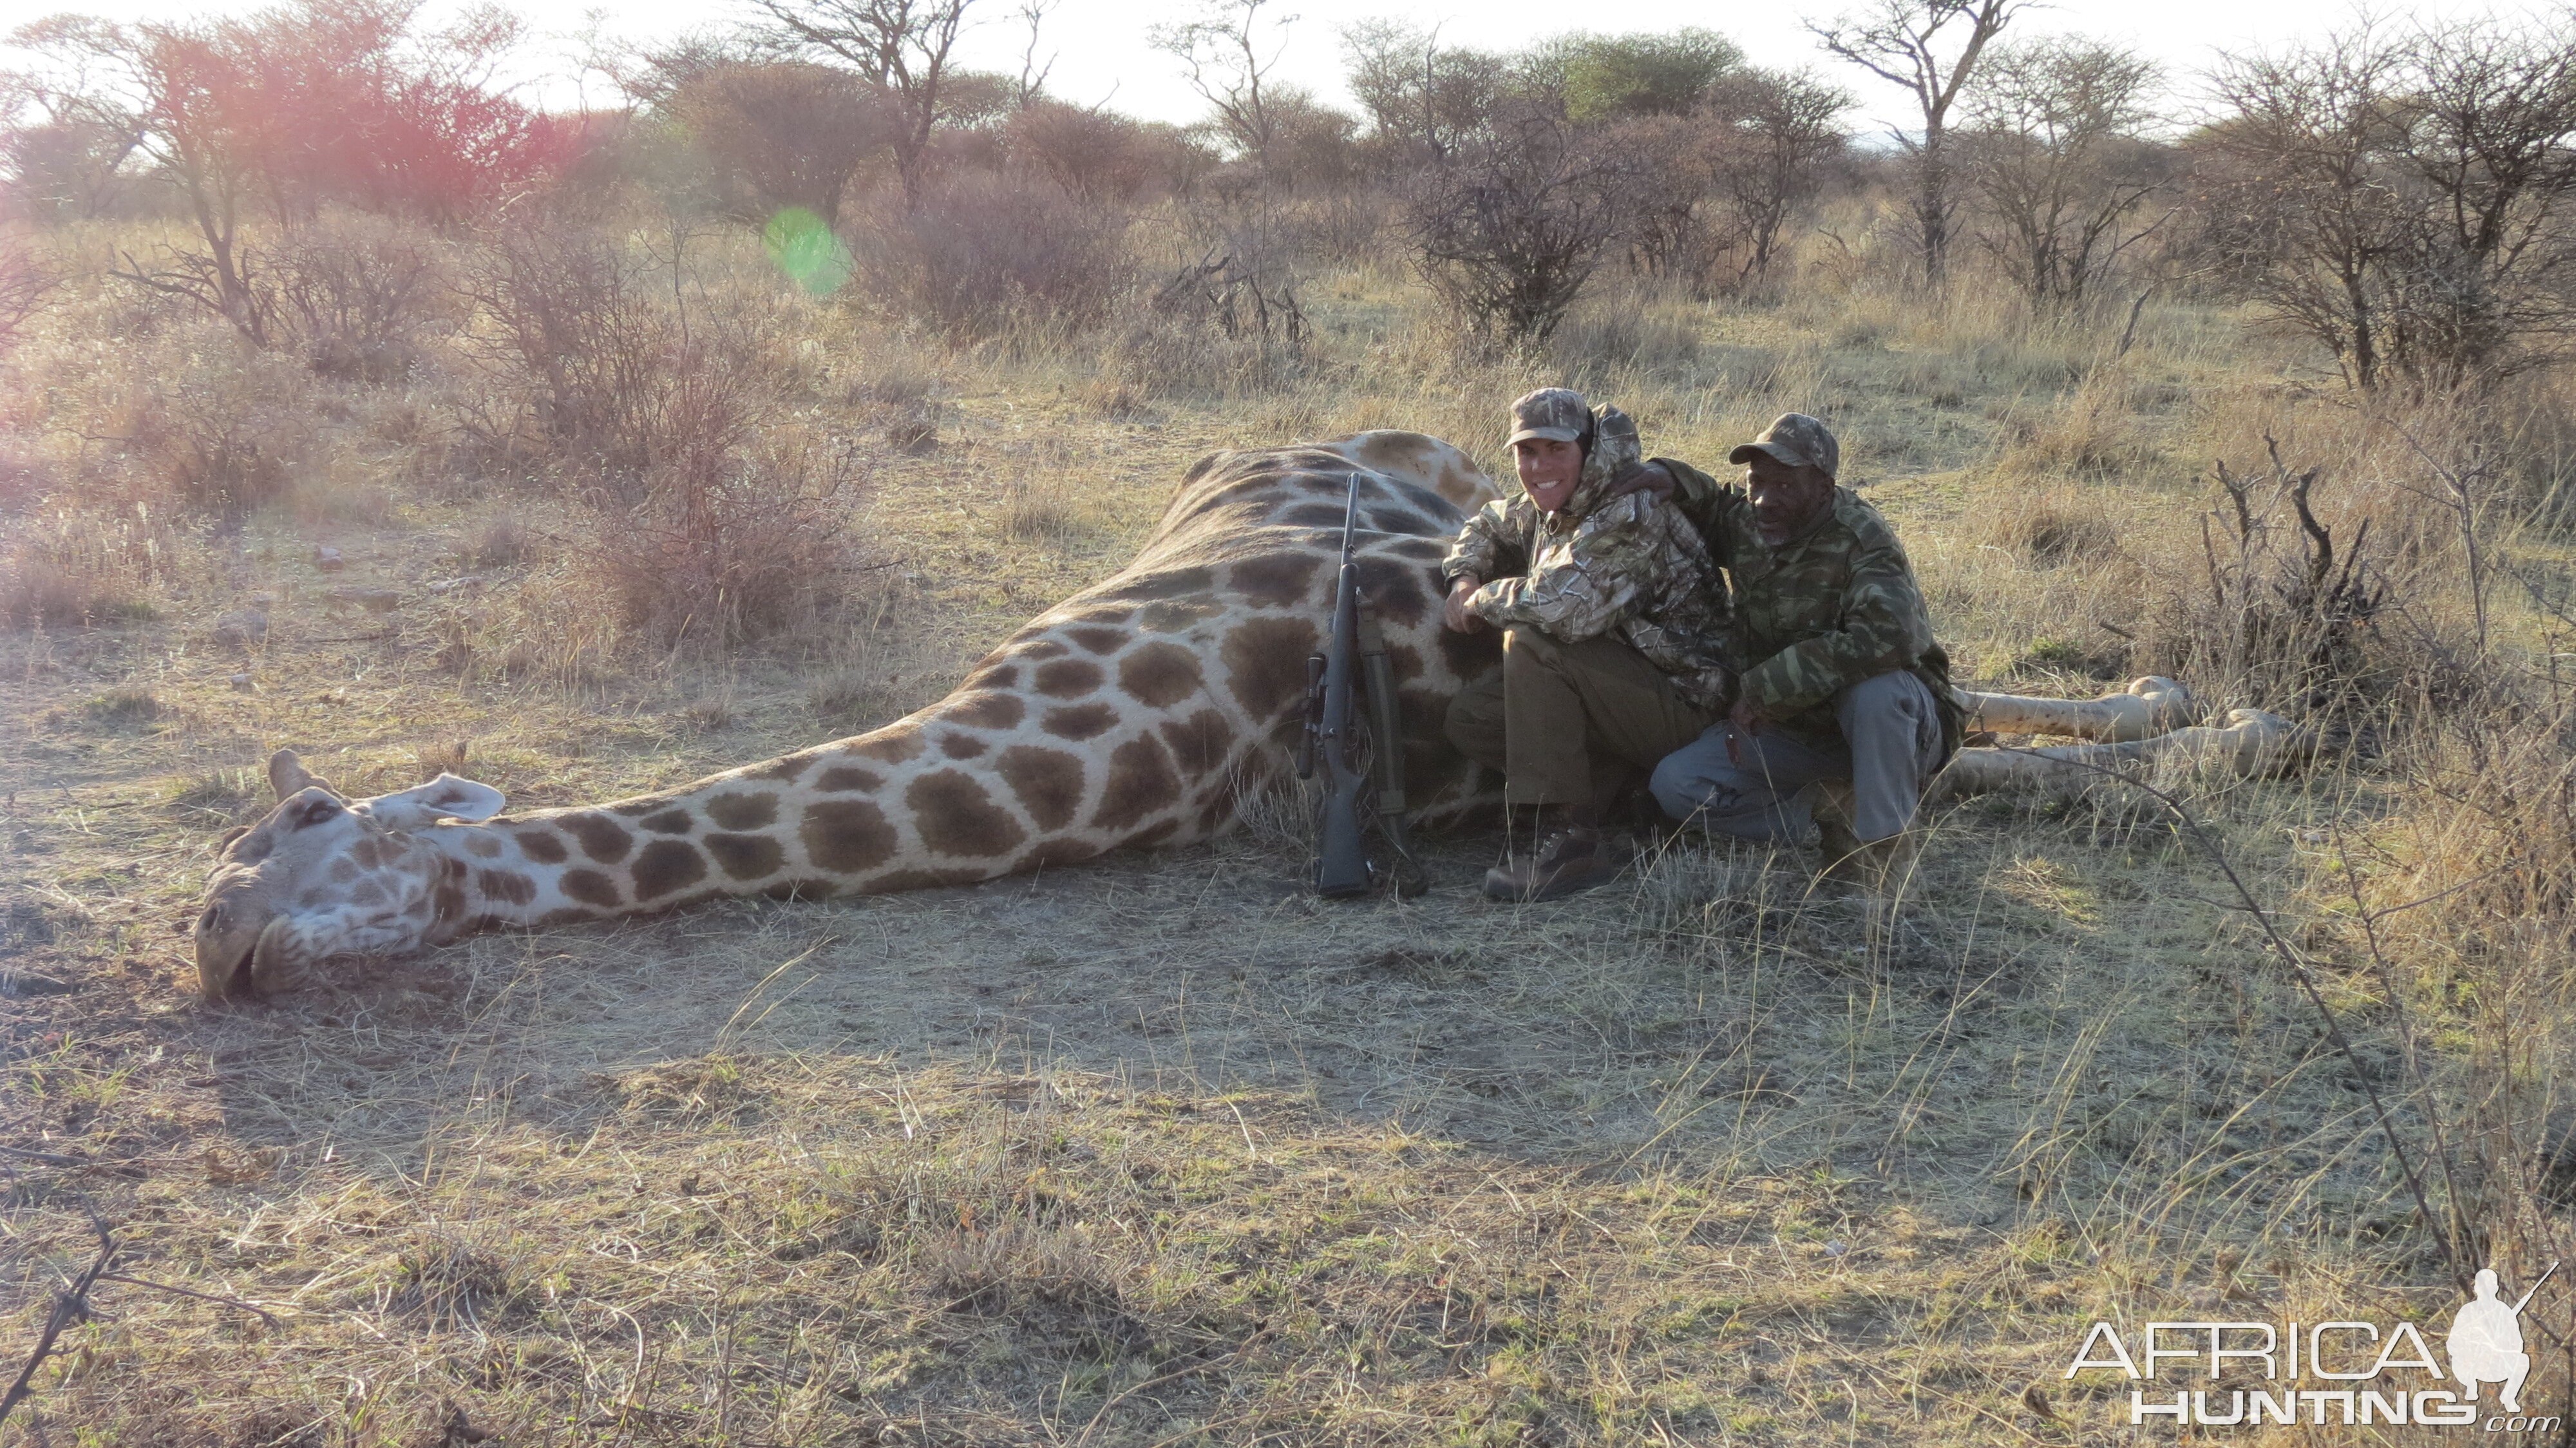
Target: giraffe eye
x=316, y=812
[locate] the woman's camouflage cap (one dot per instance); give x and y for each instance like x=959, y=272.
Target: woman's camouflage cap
x=1796, y=439
x=1558, y=414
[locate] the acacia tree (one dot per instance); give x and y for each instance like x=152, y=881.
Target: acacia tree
x=2061, y=170
x=1906, y=43
x=790, y=133
x=900, y=46
x=1508, y=234
x=1229, y=59
x=63, y=143
x=2407, y=201
x=1777, y=133
x=1423, y=100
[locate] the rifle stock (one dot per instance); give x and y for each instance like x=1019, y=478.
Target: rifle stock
x=1354, y=663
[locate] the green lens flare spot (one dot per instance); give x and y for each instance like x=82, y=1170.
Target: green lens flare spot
x=804, y=248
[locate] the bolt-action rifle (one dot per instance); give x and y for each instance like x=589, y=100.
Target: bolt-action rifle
x=1356, y=751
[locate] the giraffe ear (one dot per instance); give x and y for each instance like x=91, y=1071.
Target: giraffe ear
x=287, y=774
x=445, y=797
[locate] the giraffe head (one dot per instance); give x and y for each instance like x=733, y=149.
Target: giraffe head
x=324, y=875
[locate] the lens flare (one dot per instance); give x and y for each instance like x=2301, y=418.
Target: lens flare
x=804, y=248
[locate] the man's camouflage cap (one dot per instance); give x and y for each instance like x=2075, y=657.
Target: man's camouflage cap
x=1796, y=439
x=1558, y=414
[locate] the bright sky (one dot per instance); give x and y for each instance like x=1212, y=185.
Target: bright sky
x=1102, y=51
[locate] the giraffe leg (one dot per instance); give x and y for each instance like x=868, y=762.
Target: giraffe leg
x=2148, y=707
x=2252, y=745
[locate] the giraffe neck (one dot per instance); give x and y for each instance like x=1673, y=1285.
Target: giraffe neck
x=990, y=781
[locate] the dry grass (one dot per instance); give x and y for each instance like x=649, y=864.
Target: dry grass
x=1161, y=1151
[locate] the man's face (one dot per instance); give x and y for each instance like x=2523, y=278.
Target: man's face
x=1785, y=499
x=1549, y=470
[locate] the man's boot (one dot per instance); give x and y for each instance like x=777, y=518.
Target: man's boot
x=1841, y=856
x=1570, y=855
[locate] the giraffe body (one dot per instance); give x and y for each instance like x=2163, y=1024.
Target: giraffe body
x=1136, y=713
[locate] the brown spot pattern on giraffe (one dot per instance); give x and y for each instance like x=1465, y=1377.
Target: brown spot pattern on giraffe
x=668, y=822
x=746, y=857
x=369, y=857
x=731, y=811
x=992, y=675
x=1279, y=580
x=954, y=816
x=590, y=888
x=1083, y=721
x=1265, y=663
x=988, y=711
x=602, y=838
x=665, y=866
x=481, y=846
x=1200, y=742
x=1394, y=589
x=1140, y=782
x=961, y=746
x=1048, y=782
x=1099, y=640
x=846, y=836
x=1068, y=678
x=541, y=845
x=1160, y=675
x=801, y=889
x=506, y=887
x=894, y=744
x=343, y=871
x=845, y=779
x=786, y=770
x=1041, y=649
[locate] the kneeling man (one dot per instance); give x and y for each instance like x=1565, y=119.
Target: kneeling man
x=1612, y=651
x=1843, y=709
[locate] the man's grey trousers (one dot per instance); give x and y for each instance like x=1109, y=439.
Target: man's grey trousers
x=1890, y=744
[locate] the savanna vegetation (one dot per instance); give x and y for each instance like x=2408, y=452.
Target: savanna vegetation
x=349, y=403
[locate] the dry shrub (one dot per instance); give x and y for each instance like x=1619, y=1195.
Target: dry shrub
x=747, y=536
x=229, y=434
x=1636, y=331
x=2091, y=434
x=359, y=295
x=2279, y=607
x=575, y=350
x=72, y=567
x=552, y=630
x=499, y=541
x=897, y=402
x=25, y=284
x=2046, y=525
x=983, y=255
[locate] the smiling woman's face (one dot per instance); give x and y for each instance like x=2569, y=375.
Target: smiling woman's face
x=1549, y=470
